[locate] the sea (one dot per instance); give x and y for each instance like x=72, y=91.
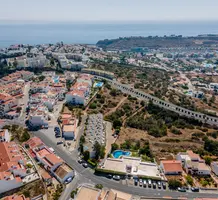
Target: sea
x=90, y=33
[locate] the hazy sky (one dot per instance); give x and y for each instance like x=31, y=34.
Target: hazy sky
x=110, y=10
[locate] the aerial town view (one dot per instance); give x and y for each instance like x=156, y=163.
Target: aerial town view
x=125, y=108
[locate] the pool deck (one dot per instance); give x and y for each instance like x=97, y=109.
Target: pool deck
x=138, y=168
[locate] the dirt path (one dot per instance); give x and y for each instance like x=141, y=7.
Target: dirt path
x=138, y=110
x=118, y=105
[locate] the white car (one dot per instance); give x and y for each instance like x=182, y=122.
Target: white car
x=116, y=177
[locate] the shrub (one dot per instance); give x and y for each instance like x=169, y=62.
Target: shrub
x=93, y=106
x=189, y=180
x=175, y=131
x=114, y=147
x=99, y=186
x=174, y=184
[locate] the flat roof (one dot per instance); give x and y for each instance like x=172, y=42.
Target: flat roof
x=132, y=166
x=86, y=193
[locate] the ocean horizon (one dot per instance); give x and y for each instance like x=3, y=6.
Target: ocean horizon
x=91, y=32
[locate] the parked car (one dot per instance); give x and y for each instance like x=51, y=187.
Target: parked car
x=195, y=189
x=144, y=183
x=109, y=176
x=154, y=185
x=164, y=185
x=57, y=135
x=159, y=184
x=180, y=189
x=80, y=161
x=60, y=142
x=149, y=183
x=116, y=177
x=140, y=182
x=69, y=179
x=85, y=165
x=135, y=181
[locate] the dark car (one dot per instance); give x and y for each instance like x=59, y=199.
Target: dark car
x=195, y=189
x=164, y=185
x=85, y=165
x=109, y=176
x=57, y=135
x=180, y=189
x=135, y=182
x=80, y=161
x=60, y=142
x=69, y=180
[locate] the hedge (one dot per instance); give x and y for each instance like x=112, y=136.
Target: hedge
x=150, y=177
x=99, y=170
x=93, y=164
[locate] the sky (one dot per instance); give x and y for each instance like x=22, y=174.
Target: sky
x=109, y=10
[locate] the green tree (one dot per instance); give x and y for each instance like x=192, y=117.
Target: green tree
x=93, y=106
x=41, y=78
x=86, y=155
x=174, y=184
x=189, y=180
x=114, y=147
x=99, y=150
x=82, y=139
x=208, y=160
x=117, y=123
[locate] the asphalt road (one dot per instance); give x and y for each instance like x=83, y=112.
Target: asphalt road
x=86, y=174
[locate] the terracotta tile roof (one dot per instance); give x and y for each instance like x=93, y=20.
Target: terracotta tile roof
x=46, y=175
x=9, y=152
x=193, y=155
x=53, y=159
x=34, y=142
x=172, y=165
x=16, y=197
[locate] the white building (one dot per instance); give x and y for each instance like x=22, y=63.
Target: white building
x=63, y=172
x=38, y=120
x=4, y=135
x=214, y=167
x=76, y=97
x=193, y=164
x=69, y=131
x=37, y=62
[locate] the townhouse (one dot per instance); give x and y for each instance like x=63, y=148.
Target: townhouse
x=171, y=167
x=7, y=104
x=54, y=165
x=12, y=166
x=12, y=89
x=193, y=164
x=80, y=91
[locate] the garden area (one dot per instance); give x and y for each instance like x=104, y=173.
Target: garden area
x=18, y=133
x=138, y=148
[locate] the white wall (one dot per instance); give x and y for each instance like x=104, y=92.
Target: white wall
x=9, y=185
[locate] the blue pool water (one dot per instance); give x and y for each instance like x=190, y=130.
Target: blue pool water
x=99, y=84
x=118, y=153
x=56, y=79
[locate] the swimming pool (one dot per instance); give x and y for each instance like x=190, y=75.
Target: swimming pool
x=56, y=79
x=99, y=84
x=118, y=153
